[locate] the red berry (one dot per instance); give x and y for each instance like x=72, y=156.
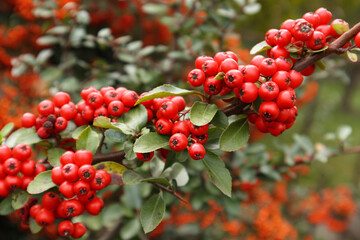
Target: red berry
x=25, y=182
x=95, y=206
x=256, y=60
x=288, y=25
x=228, y=64
x=197, y=151
x=317, y=41
x=56, y=175
x=110, y=96
x=233, y=78
x=66, y=189
x=86, y=172
x=4, y=188
x=268, y=90
x=81, y=188
x=129, y=98
x=45, y=108
x=312, y=18
x=212, y=86
x=179, y=101
x=50, y=200
x=295, y=79
x=270, y=36
x=269, y=111
x=286, y=99
x=283, y=64
x=100, y=181
x=248, y=92
x=144, y=157
x=44, y=217
x=87, y=198
x=357, y=40
x=282, y=79
x=116, y=108
x=21, y=151
x=309, y=70
x=67, y=157
x=277, y=129
x=198, y=130
x=325, y=16
x=283, y=115
x=61, y=98
x=61, y=124
x=12, y=166
x=28, y=168
x=83, y=157
x=104, y=90
x=201, y=60
x=68, y=111
x=79, y=230
x=181, y=127
x=95, y=100
x=85, y=92
x=282, y=37
x=201, y=138
x=101, y=111
x=260, y=125
x=28, y=120
x=210, y=68
x=302, y=30
x=268, y=67
x=163, y=126
x=34, y=210
x=196, y=77
x=73, y=208
x=178, y=142
x=66, y=228
x=168, y=110
x=39, y=168
x=5, y=153
x=278, y=51
x=252, y=117
x=70, y=172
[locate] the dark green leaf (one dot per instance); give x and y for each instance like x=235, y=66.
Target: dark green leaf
x=103, y=122
x=6, y=206
x=202, y=113
x=54, y=155
x=152, y=212
x=130, y=229
x=6, y=130
x=235, y=136
x=135, y=118
x=220, y=120
x=131, y=177
x=178, y=173
x=162, y=181
x=115, y=169
x=115, y=136
x=23, y=135
x=166, y=90
x=150, y=142
x=261, y=46
x=34, y=227
x=19, y=199
x=76, y=133
x=41, y=183
x=218, y=173
x=88, y=140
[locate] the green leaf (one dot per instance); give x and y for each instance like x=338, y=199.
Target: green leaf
x=202, y=113
x=88, y=140
x=23, y=135
x=103, y=122
x=115, y=170
x=320, y=64
x=220, y=120
x=162, y=181
x=76, y=133
x=129, y=150
x=235, y=136
x=352, y=56
x=340, y=28
x=135, y=118
x=156, y=166
x=6, y=206
x=131, y=177
x=261, y=46
x=270, y=172
x=19, y=199
x=220, y=76
x=115, y=135
x=150, y=142
x=6, y=130
x=152, y=212
x=319, y=50
x=166, y=90
x=218, y=173
x=256, y=104
x=178, y=173
x=41, y=183
x=54, y=155
x=34, y=227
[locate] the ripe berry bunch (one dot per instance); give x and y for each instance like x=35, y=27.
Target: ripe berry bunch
x=54, y=115
x=169, y=111
x=17, y=170
x=78, y=182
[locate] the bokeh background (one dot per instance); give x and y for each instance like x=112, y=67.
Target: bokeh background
x=157, y=42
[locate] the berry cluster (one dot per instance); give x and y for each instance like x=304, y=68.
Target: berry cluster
x=78, y=182
x=54, y=115
x=169, y=111
x=16, y=168
x=269, y=79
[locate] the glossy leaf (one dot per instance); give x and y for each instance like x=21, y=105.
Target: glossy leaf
x=166, y=90
x=135, y=119
x=235, y=136
x=219, y=174
x=88, y=140
x=34, y=227
x=152, y=212
x=131, y=177
x=261, y=46
x=220, y=120
x=150, y=142
x=115, y=136
x=41, y=183
x=19, y=199
x=6, y=130
x=23, y=135
x=202, y=113
x=115, y=169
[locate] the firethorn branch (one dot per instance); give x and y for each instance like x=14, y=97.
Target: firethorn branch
x=334, y=47
x=172, y=192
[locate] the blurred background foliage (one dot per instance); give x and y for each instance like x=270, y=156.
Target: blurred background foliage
x=63, y=45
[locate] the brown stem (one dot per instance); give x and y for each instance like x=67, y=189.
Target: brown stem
x=172, y=192
x=334, y=47
x=113, y=156
x=236, y=109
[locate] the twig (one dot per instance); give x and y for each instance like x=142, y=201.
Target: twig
x=101, y=141
x=334, y=47
x=172, y=192
x=113, y=156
